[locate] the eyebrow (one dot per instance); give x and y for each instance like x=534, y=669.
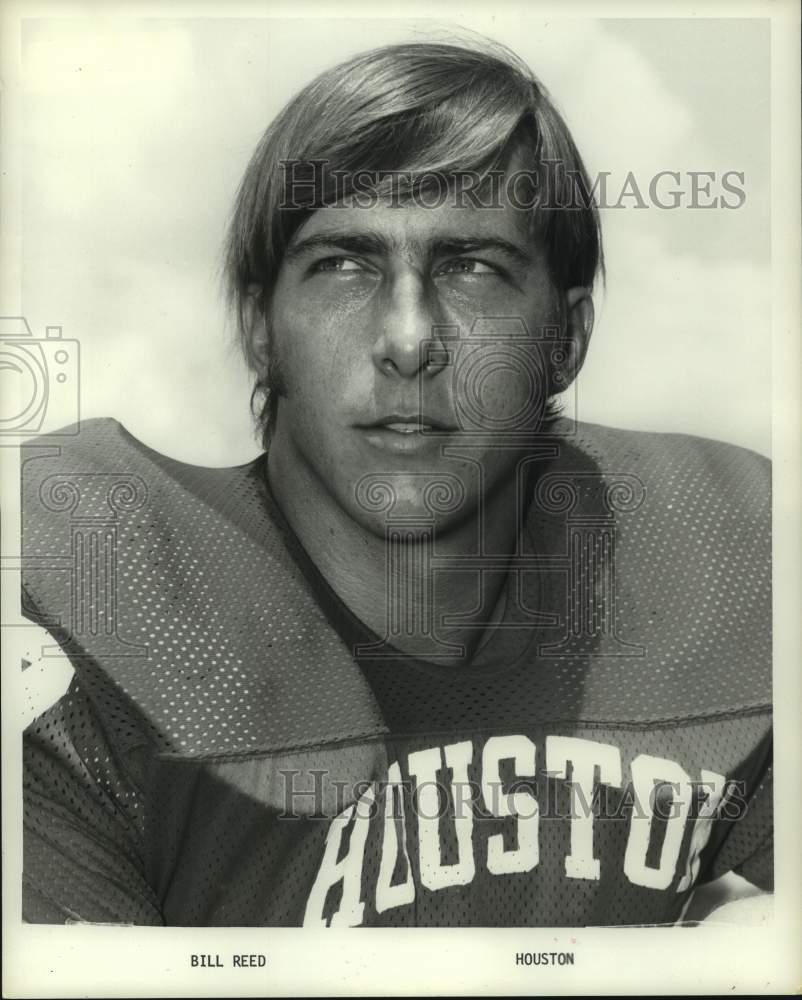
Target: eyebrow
x=377, y=245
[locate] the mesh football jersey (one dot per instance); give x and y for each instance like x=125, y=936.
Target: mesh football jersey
x=237, y=748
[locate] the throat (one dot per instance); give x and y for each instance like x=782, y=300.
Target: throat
x=403, y=590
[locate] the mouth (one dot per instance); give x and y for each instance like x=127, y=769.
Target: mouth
x=397, y=423
x=406, y=435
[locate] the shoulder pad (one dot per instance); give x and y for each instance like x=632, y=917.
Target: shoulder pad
x=171, y=590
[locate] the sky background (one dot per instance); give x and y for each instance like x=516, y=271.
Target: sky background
x=136, y=133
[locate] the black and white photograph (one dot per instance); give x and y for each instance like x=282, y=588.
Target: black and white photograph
x=400, y=445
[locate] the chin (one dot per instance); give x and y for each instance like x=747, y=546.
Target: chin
x=411, y=501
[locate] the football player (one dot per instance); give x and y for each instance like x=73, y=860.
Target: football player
x=440, y=656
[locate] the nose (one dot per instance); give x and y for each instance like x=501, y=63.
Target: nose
x=407, y=343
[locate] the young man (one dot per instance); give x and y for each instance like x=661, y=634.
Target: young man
x=439, y=657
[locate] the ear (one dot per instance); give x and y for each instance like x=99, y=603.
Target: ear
x=254, y=327
x=567, y=360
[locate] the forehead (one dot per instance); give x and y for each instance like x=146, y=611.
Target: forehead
x=411, y=223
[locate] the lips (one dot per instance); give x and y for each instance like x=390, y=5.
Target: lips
x=406, y=428
x=408, y=424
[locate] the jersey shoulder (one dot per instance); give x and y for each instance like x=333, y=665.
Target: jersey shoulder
x=680, y=531
x=171, y=589
x=685, y=465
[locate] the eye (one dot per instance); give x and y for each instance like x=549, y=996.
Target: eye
x=466, y=265
x=336, y=264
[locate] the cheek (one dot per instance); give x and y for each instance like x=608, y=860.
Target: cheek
x=317, y=358
x=500, y=387
x=297, y=341
x=307, y=347
x=501, y=372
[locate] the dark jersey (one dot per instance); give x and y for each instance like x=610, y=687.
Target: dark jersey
x=237, y=748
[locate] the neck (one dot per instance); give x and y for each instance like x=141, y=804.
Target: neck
x=385, y=578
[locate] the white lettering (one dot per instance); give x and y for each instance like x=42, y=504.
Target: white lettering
x=388, y=896
x=423, y=766
x=585, y=756
x=348, y=869
x=522, y=804
x=715, y=783
x=648, y=771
